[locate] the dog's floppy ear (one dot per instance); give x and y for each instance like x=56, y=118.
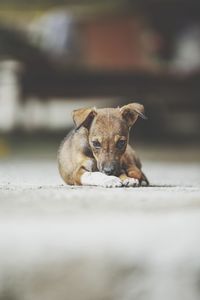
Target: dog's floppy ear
x=131, y=112
x=83, y=117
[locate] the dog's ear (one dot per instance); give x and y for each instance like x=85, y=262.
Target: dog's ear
x=83, y=117
x=131, y=112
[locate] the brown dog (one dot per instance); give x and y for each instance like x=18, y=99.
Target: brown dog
x=97, y=151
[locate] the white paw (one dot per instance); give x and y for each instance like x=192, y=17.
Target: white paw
x=100, y=179
x=130, y=182
x=111, y=181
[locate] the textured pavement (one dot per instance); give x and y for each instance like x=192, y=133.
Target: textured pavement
x=60, y=242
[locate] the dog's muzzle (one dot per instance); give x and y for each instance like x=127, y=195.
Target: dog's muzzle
x=109, y=168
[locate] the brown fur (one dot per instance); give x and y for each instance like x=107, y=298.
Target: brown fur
x=79, y=152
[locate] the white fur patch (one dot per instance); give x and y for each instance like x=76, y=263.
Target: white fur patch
x=90, y=165
x=130, y=182
x=100, y=179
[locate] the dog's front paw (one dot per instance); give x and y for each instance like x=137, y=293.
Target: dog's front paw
x=131, y=182
x=100, y=179
x=111, y=181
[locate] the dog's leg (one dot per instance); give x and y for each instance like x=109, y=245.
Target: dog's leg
x=86, y=175
x=100, y=179
x=132, y=174
x=136, y=173
x=128, y=181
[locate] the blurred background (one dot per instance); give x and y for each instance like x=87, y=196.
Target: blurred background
x=60, y=55
x=62, y=242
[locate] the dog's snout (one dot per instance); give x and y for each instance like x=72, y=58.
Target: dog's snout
x=108, y=170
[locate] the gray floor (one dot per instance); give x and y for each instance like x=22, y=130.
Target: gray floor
x=60, y=242
x=35, y=187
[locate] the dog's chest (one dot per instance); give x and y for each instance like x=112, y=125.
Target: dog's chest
x=91, y=165
x=91, y=161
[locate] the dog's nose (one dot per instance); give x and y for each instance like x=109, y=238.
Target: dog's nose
x=108, y=170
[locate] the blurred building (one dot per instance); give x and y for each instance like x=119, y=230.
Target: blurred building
x=54, y=60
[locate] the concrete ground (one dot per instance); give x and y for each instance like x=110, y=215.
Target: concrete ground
x=62, y=242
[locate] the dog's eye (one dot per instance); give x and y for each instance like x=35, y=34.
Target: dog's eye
x=121, y=144
x=96, y=144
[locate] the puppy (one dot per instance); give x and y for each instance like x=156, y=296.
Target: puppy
x=97, y=152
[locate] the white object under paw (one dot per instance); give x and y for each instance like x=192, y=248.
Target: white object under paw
x=130, y=182
x=100, y=179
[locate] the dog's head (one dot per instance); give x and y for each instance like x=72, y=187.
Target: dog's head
x=108, y=132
